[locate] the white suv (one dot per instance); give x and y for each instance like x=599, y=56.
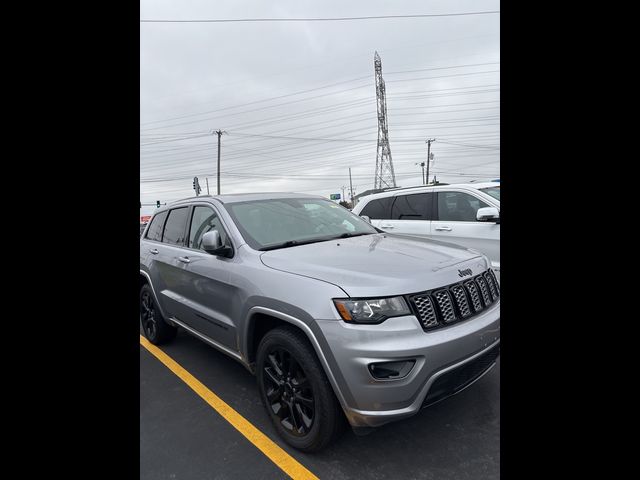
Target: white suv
x=466, y=214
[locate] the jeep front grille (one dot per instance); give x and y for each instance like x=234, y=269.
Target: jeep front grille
x=484, y=290
x=472, y=289
x=493, y=285
x=425, y=310
x=456, y=302
x=461, y=300
x=443, y=299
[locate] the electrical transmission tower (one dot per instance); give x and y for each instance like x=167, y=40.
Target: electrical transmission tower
x=385, y=176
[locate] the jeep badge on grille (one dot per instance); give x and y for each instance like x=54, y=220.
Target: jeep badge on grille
x=462, y=273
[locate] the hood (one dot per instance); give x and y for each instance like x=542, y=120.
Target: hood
x=378, y=265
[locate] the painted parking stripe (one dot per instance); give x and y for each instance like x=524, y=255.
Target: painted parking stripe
x=277, y=455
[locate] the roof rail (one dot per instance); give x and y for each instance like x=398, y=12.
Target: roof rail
x=414, y=186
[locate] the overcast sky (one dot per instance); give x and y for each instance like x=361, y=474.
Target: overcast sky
x=274, y=87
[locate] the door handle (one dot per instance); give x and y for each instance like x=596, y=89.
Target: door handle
x=184, y=259
x=386, y=226
x=443, y=229
x=154, y=251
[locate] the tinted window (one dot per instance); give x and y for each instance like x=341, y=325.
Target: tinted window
x=270, y=223
x=412, y=207
x=379, y=208
x=204, y=220
x=493, y=191
x=458, y=207
x=174, y=229
x=154, y=232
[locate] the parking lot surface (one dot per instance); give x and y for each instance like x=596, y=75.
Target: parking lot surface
x=182, y=437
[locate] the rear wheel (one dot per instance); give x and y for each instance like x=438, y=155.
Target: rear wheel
x=296, y=392
x=154, y=326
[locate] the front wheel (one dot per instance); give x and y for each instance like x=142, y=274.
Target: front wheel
x=296, y=392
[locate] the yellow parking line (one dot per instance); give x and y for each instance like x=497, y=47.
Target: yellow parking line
x=277, y=455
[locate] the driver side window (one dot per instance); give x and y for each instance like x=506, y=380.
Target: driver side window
x=204, y=220
x=458, y=207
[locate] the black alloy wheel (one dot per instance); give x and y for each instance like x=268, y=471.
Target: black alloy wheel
x=295, y=390
x=148, y=315
x=289, y=392
x=154, y=326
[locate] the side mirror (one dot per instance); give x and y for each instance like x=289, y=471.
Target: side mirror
x=212, y=243
x=365, y=218
x=488, y=214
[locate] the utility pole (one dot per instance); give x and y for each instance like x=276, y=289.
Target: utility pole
x=353, y=204
x=207, y=179
x=428, y=142
x=219, y=133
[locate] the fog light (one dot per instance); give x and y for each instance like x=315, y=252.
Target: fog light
x=391, y=370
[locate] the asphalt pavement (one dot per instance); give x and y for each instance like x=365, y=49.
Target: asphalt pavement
x=183, y=438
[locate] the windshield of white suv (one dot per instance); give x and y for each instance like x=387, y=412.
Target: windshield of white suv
x=287, y=222
x=493, y=191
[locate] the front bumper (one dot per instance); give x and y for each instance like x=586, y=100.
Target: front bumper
x=436, y=353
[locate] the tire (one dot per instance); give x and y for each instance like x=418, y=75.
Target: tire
x=154, y=326
x=297, y=395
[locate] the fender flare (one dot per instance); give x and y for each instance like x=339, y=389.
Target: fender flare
x=309, y=334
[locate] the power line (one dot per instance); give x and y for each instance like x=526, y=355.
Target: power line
x=442, y=68
x=341, y=61
x=339, y=149
x=470, y=145
x=242, y=134
x=174, y=139
x=443, y=76
x=320, y=19
x=320, y=88
x=181, y=161
x=305, y=176
x=303, y=162
x=367, y=84
x=427, y=110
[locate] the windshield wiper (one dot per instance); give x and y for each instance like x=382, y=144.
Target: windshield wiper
x=292, y=243
x=349, y=235
x=295, y=243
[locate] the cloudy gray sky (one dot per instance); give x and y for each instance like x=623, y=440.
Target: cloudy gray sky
x=276, y=87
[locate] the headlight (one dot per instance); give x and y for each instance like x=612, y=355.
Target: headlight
x=371, y=310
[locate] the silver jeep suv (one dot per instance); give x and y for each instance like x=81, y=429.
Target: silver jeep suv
x=336, y=318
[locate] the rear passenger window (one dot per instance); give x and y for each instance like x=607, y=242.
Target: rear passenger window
x=174, y=229
x=154, y=232
x=378, y=209
x=412, y=207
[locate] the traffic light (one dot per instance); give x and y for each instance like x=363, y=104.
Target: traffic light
x=157, y=203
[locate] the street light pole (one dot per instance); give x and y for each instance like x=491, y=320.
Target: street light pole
x=428, y=142
x=353, y=202
x=219, y=133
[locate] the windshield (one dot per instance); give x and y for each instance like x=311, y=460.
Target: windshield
x=286, y=222
x=493, y=191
